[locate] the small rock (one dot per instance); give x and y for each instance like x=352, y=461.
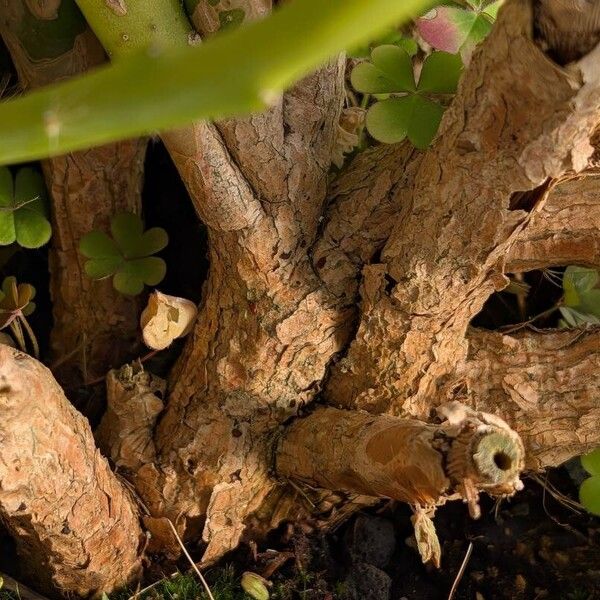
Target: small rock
x=520, y=583
x=373, y=540
x=367, y=582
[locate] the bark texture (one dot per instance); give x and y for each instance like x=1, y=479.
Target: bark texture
x=402, y=459
x=270, y=322
x=429, y=236
x=448, y=249
x=75, y=525
x=94, y=326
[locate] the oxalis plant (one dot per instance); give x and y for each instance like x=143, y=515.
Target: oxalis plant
x=333, y=361
x=127, y=255
x=407, y=108
x=16, y=304
x=23, y=209
x=458, y=28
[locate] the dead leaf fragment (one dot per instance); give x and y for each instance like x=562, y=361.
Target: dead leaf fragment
x=166, y=318
x=428, y=543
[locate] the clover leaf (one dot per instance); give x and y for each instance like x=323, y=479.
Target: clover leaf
x=456, y=29
x=410, y=112
x=589, y=494
x=23, y=214
x=581, y=298
x=15, y=301
x=127, y=255
x=393, y=36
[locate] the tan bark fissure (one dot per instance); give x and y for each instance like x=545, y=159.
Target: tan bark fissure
x=95, y=327
x=75, y=525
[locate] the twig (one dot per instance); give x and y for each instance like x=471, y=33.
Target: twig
x=31, y=334
x=192, y=563
x=461, y=571
x=518, y=326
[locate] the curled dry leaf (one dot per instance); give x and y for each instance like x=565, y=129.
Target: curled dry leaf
x=348, y=134
x=428, y=543
x=166, y=318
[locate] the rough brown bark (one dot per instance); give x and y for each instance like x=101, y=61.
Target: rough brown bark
x=447, y=251
x=543, y=383
x=265, y=331
x=280, y=302
x=402, y=459
x=268, y=326
x=75, y=525
x=94, y=326
x=563, y=230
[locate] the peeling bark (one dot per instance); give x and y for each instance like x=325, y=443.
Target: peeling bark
x=75, y=525
x=87, y=188
x=563, y=230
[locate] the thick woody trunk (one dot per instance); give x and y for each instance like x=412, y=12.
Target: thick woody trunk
x=75, y=525
x=437, y=232
x=94, y=327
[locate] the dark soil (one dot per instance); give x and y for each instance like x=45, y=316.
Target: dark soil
x=529, y=547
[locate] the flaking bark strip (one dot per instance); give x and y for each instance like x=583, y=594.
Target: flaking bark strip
x=134, y=402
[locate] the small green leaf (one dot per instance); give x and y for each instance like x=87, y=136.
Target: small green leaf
x=390, y=71
x=32, y=228
x=409, y=45
x=127, y=256
x=100, y=268
x=575, y=318
x=150, y=242
x=127, y=281
x=23, y=214
x=591, y=462
x=589, y=494
x=581, y=300
x=96, y=244
x=126, y=229
x=396, y=63
x=390, y=121
x=492, y=9
x=150, y=270
x=440, y=73
x=425, y=122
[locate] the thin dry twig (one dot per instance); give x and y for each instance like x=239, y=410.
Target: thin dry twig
x=192, y=563
x=461, y=571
